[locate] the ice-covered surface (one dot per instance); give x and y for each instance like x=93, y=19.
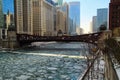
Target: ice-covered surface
x=25, y=66
x=118, y=72
x=71, y=45
x=117, y=68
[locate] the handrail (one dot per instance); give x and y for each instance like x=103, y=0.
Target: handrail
x=88, y=69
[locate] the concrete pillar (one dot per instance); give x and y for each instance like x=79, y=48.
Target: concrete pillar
x=12, y=40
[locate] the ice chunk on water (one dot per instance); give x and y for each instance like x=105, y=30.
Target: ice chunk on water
x=23, y=77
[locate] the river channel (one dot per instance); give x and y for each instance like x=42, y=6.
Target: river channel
x=44, y=61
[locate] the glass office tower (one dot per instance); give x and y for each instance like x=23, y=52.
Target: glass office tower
x=102, y=17
x=74, y=14
x=58, y=2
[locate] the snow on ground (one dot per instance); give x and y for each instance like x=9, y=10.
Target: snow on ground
x=118, y=72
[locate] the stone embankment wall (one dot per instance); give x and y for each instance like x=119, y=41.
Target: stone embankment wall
x=110, y=73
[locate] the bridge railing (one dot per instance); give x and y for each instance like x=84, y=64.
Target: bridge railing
x=88, y=38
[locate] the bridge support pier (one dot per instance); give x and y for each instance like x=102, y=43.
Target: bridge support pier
x=11, y=41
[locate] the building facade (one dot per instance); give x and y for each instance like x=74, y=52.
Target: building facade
x=58, y=2
x=37, y=30
x=47, y=18
x=61, y=22
x=94, y=24
x=8, y=19
x=102, y=17
x=74, y=14
x=1, y=14
x=34, y=17
x=8, y=22
x=1, y=20
x=23, y=16
x=70, y=26
x=65, y=9
x=114, y=17
x=51, y=2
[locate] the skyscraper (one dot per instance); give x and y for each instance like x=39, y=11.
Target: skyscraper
x=58, y=2
x=43, y=21
x=114, y=17
x=34, y=17
x=74, y=14
x=8, y=19
x=94, y=23
x=51, y=2
x=65, y=9
x=23, y=16
x=102, y=17
x=1, y=14
x=1, y=19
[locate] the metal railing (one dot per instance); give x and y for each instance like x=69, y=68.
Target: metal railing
x=87, y=75
x=109, y=72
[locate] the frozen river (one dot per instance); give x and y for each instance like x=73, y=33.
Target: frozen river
x=62, y=61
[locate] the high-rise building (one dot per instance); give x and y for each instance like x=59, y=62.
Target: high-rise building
x=23, y=16
x=112, y=1
x=102, y=17
x=1, y=19
x=34, y=17
x=70, y=26
x=1, y=14
x=37, y=17
x=8, y=19
x=60, y=22
x=58, y=2
x=65, y=9
x=8, y=23
x=43, y=18
x=114, y=17
x=94, y=23
x=74, y=14
x=51, y=2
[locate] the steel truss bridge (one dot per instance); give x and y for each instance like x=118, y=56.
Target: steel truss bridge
x=88, y=38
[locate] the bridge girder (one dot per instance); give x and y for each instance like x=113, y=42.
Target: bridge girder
x=88, y=38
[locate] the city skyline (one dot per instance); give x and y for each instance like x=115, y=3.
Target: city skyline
x=61, y=40
x=86, y=7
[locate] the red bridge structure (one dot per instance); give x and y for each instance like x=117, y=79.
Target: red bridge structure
x=88, y=38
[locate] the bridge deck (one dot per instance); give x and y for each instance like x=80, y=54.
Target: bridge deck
x=89, y=38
